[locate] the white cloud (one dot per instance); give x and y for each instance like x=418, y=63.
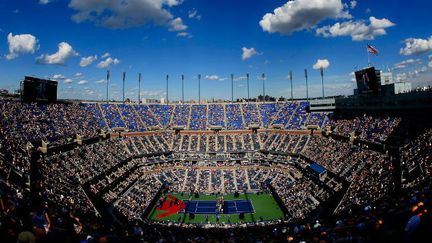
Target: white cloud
x=184, y=34
x=416, y=46
x=240, y=78
x=85, y=61
x=321, y=63
x=21, y=44
x=106, y=54
x=78, y=74
x=82, y=82
x=353, y=4
x=406, y=63
x=102, y=81
x=299, y=15
x=193, y=14
x=123, y=14
x=358, y=30
x=248, y=53
x=107, y=62
x=44, y=1
x=177, y=25
x=212, y=77
x=430, y=64
x=64, y=52
x=58, y=76
x=67, y=81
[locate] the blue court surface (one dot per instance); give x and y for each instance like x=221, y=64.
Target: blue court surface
x=238, y=206
x=209, y=207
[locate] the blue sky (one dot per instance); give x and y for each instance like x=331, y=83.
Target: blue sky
x=51, y=38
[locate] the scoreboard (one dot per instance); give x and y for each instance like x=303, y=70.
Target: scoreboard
x=36, y=89
x=368, y=81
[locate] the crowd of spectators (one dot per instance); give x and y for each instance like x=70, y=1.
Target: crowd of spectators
x=61, y=208
x=368, y=172
x=198, y=118
x=366, y=127
x=25, y=124
x=416, y=158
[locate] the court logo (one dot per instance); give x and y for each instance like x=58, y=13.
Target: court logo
x=171, y=205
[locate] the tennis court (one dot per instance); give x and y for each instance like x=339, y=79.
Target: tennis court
x=209, y=207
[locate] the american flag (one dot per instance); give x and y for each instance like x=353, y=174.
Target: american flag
x=372, y=50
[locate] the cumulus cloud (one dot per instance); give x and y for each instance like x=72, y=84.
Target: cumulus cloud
x=353, y=4
x=123, y=14
x=415, y=46
x=82, y=82
x=44, y=1
x=406, y=63
x=248, y=53
x=106, y=54
x=21, y=44
x=177, y=25
x=358, y=30
x=85, y=61
x=321, y=63
x=64, y=52
x=67, y=81
x=299, y=15
x=108, y=62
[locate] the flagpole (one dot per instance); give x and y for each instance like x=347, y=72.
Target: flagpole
x=369, y=63
x=368, y=53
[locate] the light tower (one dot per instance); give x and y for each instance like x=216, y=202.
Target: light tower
x=124, y=78
x=307, y=88
x=167, y=77
x=199, y=88
x=107, y=84
x=263, y=87
x=291, y=79
x=139, y=88
x=182, y=77
x=322, y=80
x=232, y=88
x=247, y=80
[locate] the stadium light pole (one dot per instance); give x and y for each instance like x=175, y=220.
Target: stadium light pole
x=291, y=79
x=139, y=88
x=322, y=80
x=124, y=78
x=182, y=77
x=263, y=88
x=232, y=88
x=107, y=84
x=167, y=77
x=199, y=88
x=307, y=88
x=247, y=80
